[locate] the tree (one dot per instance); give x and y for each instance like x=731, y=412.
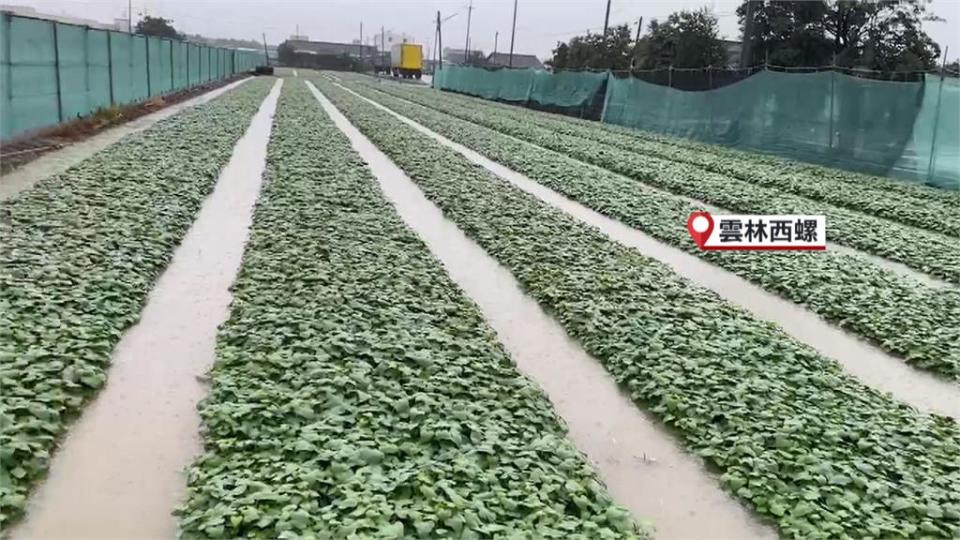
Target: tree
x=592, y=51
x=688, y=39
x=159, y=27
x=883, y=35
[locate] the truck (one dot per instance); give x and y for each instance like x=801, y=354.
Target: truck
x=406, y=60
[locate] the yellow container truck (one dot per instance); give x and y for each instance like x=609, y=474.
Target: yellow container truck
x=406, y=60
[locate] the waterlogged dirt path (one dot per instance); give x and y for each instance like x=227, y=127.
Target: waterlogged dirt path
x=643, y=467
x=868, y=363
x=119, y=472
x=60, y=160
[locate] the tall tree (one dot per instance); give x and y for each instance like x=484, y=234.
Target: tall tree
x=688, y=39
x=880, y=34
x=158, y=27
x=592, y=51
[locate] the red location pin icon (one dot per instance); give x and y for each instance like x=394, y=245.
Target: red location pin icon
x=700, y=225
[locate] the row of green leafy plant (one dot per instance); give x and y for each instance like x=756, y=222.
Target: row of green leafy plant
x=794, y=438
x=917, y=322
x=927, y=251
x=80, y=252
x=901, y=201
x=358, y=393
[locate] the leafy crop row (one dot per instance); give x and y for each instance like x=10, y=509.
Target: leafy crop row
x=898, y=200
x=853, y=292
x=358, y=393
x=793, y=436
x=926, y=251
x=80, y=253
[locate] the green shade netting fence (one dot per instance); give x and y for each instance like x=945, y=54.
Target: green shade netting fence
x=566, y=89
x=53, y=72
x=935, y=159
x=879, y=127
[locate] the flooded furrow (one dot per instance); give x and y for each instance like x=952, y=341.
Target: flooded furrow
x=120, y=471
x=58, y=161
x=643, y=466
x=899, y=268
x=868, y=363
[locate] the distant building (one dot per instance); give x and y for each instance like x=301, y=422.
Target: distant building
x=329, y=48
x=733, y=49
x=457, y=56
x=519, y=60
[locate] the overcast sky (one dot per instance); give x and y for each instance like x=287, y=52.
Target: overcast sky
x=540, y=23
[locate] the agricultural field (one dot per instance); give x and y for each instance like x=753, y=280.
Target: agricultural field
x=356, y=386
x=390, y=407
x=860, y=295
x=81, y=252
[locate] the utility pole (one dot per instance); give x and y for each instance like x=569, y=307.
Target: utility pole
x=466, y=46
x=129, y=16
x=360, y=44
x=439, y=43
x=266, y=56
x=383, y=49
x=513, y=32
x=636, y=43
x=496, y=37
x=606, y=21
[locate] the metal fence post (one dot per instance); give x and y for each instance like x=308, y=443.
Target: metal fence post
x=86, y=60
x=56, y=66
x=833, y=76
x=710, y=102
x=8, y=21
x=110, y=64
x=146, y=40
x=130, y=73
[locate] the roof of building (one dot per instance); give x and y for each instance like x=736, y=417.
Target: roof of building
x=519, y=60
x=457, y=56
x=329, y=47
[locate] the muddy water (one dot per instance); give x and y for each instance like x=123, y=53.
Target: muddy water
x=644, y=468
x=119, y=472
x=60, y=160
x=870, y=364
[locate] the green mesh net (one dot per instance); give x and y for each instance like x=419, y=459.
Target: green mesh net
x=909, y=130
x=878, y=127
x=566, y=89
x=53, y=72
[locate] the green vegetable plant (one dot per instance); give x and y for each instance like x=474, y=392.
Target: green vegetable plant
x=80, y=252
x=791, y=435
x=853, y=292
x=358, y=393
x=934, y=253
x=894, y=199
